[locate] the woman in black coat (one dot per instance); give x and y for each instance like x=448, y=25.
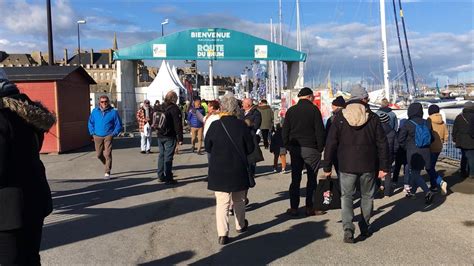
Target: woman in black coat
x=228, y=168
x=25, y=197
x=417, y=158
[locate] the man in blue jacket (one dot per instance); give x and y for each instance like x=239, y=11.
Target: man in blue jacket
x=195, y=118
x=104, y=125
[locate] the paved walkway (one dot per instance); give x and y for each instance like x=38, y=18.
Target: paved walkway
x=135, y=220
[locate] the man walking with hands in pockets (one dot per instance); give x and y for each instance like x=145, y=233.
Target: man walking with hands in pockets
x=358, y=141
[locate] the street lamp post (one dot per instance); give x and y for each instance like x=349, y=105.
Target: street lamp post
x=162, y=26
x=79, y=39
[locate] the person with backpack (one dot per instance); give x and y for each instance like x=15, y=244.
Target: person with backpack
x=416, y=137
x=463, y=136
x=440, y=136
x=169, y=128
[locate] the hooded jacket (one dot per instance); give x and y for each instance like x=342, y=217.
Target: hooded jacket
x=358, y=141
x=440, y=132
x=267, y=116
x=417, y=158
x=461, y=135
x=22, y=127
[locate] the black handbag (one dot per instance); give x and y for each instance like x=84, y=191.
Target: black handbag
x=243, y=158
x=257, y=155
x=328, y=195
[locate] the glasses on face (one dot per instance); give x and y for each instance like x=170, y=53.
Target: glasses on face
x=104, y=101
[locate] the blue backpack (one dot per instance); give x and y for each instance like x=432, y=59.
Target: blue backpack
x=422, y=135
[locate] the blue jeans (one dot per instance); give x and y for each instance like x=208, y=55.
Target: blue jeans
x=417, y=181
x=432, y=171
x=348, y=189
x=166, y=147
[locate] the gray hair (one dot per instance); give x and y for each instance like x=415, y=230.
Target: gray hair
x=229, y=104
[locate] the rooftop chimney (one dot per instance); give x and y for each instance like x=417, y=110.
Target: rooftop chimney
x=65, y=57
x=92, y=56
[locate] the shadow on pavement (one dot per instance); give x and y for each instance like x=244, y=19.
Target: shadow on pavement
x=118, y=144
x=282, y=195
x=102, y=221
x=276, y=245
x=403, y=208
x=107, y=191
x=172, y=259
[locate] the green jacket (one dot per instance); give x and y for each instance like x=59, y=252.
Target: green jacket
x=267, y=117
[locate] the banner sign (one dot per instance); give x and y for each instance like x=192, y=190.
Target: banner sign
x=209, y=44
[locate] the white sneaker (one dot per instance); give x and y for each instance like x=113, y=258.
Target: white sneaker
x=284, y=172
x=444, y=187
x=107, y=176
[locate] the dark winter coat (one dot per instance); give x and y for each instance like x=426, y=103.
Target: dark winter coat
x=276, y=141
x=255, y=119
x=358, y=141
x=267, y=116
x=22, y=128
x=461, y=135
x=392, y=139
x=304, y=126
x=174, y=121
x=331, y=119
x=417, y=158
x=227, y=168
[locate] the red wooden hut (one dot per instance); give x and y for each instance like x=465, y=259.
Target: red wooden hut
x=65, y=91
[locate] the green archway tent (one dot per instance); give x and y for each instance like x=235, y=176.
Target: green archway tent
x=215, y=44
x=209, y=44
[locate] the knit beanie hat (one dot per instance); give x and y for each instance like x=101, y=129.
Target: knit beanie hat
x=339, y=102
x=305, y=92
x=433, y=109
x=358, y=93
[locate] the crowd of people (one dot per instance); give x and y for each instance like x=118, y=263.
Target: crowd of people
x=365, y=148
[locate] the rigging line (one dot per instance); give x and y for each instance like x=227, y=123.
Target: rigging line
x=410, y=66
x=400, y=45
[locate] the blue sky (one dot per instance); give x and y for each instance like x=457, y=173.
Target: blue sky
x=339, y=36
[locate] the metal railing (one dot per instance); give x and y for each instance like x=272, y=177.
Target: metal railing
x=449, y=149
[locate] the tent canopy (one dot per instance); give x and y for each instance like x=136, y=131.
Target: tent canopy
x=209, y=44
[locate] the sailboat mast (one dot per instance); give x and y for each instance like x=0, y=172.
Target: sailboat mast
x=272, y=68
x=384, y=49
x=281, y=43
x=300, y=83
x=408, y=47
x=400, y=46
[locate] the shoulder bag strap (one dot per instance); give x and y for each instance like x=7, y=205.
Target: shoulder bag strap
x=235, y=145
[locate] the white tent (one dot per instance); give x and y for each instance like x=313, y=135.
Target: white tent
x=163, y=83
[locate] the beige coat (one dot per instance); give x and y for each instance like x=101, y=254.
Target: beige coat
x=440, y=132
